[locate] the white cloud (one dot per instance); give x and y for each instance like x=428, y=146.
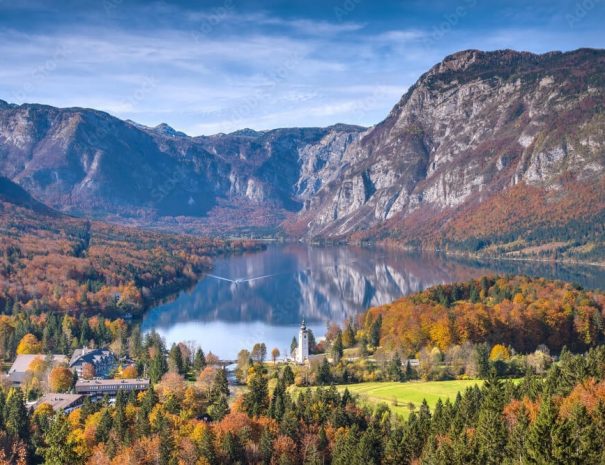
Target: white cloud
x=225, y=69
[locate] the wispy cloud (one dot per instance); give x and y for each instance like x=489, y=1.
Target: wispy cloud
x=229, y=65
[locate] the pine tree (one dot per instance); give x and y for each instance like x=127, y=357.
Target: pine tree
x=256, y=400
x=576, y=439
x=175, y=358
x=396, y=449
x=158, y=366
x=86, y=410
x=348, y=337
x=149, y=400
x=277, y=406
x=375, y=330
x=219, y=408
x=166, y=441
x=369, y=450
x=199, y=360
x=491, y=434
x=135, y=343
x=538, y=447
x=119, y=419
x=233, y=449
x=15, y=418
x=337, y=347
x=220, y=385
x=324, y=376
x=85, y=333
x=323, y=444
x=516, y=443
x=2, y=408
x=142, y=427
x=104, y=427
x=266, y=447
x=206, y=448
x=288, y=376
x=481, y=356
x=395, y=373
x=59, y=450
x=345, y=447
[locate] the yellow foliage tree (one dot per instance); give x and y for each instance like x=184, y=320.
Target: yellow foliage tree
x=129, y=372
x=29, y=344
x=499, y=352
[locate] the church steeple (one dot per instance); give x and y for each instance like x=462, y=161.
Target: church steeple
x=302, y=353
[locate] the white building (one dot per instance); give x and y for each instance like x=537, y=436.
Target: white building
x=18, y=372
x=302, y=351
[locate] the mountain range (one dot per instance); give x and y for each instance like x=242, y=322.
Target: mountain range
x=494, y=152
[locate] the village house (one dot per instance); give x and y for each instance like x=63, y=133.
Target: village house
x=101, y=387
x=20, y=369
x=102, y=361
x=60, y=402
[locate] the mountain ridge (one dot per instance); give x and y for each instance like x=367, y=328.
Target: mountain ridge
x=470, y=130
x=473, y=126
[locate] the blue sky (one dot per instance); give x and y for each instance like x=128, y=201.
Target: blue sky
x=216, y=66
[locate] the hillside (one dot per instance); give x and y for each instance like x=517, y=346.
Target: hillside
x=488, y=152
x=520, y=312
x=53, y=262
x=90, y=163
x=486, y=148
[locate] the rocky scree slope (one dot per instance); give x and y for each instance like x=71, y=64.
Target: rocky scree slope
x=479, y=140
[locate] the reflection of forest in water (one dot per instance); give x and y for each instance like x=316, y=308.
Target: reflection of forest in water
x=331, y=283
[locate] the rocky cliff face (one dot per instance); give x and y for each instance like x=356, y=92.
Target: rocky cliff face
x=484, y=144
x=88, y=162
x=474, y=125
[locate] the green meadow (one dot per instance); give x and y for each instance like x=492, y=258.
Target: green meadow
x=402, y=398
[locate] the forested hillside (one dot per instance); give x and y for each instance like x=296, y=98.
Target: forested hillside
x=556, y=418
x=519, y=312
x=53, y=262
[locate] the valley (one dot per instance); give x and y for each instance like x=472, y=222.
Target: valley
x=489, y=153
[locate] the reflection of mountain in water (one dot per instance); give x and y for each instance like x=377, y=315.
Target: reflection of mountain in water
x=327, y=284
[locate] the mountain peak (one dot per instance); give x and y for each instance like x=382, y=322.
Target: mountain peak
x=246, y=132
x=162, y=129
x=168, y=130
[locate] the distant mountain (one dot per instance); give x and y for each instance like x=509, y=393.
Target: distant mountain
x=496, y=152
x=90, y=163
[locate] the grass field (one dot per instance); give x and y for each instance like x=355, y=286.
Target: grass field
x=404, y=393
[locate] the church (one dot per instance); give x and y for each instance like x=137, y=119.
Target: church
x=302, y=351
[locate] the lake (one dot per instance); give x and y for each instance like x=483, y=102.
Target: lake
x=262, y=297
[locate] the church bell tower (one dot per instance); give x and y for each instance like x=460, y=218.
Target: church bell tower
x=302, y=353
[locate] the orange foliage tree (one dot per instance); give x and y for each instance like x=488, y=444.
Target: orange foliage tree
x=60, y=379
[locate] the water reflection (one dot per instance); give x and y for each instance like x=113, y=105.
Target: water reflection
x=264, y=296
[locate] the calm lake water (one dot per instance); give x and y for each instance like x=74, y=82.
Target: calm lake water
x=262, y=297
